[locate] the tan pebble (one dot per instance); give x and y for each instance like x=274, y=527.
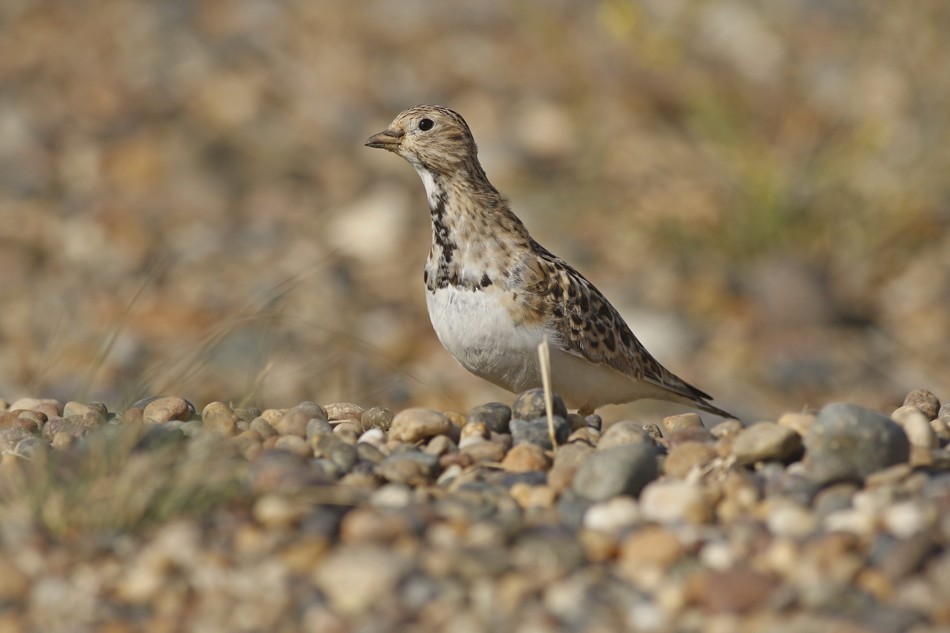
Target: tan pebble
x=133, y=415
x=525, y=457
x=166, y=409
x=586, y=435
x=367, y=525
x=677, y=500
x=217, y=417
x=272, y=415
x=875, y=582
x=439, y=445
x=652, y=545
x=375, y=570
x=262, y=427
x=801, y=423
x=377, y=417
x=78, y=408
x=48, y=406
x=349, y=431
x=689, y=434
x=294, y=444
x=576, y=421
x=736, y=590
x=63, y=440
x=889, y=476
x=916, y=425
x=343, y=411
x=612, y=515
x=294, y=422
x=301, y=555
x=940, y=428
x=567, y=460
x=686, y=456
x=278, y=511
x=682, y=421
x=417, y=424
x=475, y=430
x=766, y=441
x=726, y=428
x=599, y=546
x=925, y=401
x=490, y=451
x=528, y=496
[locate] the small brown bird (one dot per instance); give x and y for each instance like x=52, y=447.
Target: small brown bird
x=494, y=293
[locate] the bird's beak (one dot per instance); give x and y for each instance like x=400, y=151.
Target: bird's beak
x=387, y=139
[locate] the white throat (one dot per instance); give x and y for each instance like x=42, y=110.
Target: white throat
x=433, y=191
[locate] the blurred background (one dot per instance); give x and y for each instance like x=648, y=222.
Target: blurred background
x=761, y=188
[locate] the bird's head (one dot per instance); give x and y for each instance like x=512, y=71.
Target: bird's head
x=431, y=138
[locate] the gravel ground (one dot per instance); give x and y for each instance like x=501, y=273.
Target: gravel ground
x=337, y=517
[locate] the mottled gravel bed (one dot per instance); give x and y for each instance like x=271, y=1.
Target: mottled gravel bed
x=338, y=518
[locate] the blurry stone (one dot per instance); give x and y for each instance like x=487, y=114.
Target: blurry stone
x=786, y=518
x=74, y=425
x=414, y=468
x=14, y=584
x=315, y=426
x=529, y=496
x=354, y=578
x=418, y=424
x=908, y=518
x=48, y=406
x=916, y=425
x=493, y=415
x=218, y=417
x=686, y=456
x=651, y=546
x=294, y=444
x=439, y=445
x=78, y=408
x=167, y=408
x=689, y=434
x=682, y=421
x=473, y=431
x=330, y=446
x=943, y=414
x=735, y=590
x=848, y=442
x=294, y=422
x=529, y=405
x=279, y=511
x=675, y=501
x=567, y=460
x=766, y=441
x=801, y=423
x=374, y=437
x=622, y=433
x=536, y=431
x=261, y=427
x=621, y=470
x=337, y=411
x=369, y=452
x=654, y=432
x=925, y=401
x=490, y=451
x=726, y=429
x=377, y=418
x=612, y=515
x=349, y=430
x=525, y=457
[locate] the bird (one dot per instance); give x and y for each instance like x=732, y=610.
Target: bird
x=494, y=293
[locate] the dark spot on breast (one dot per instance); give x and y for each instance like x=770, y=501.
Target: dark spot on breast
x=558, y=311
x=610, y=342
x=585, y=304
x=601, y=327
x=594, y=343
x=575, y=319
x=425, y=276
x=625, y=337
x=486, y=281
x=604, y=310
x=557, y=292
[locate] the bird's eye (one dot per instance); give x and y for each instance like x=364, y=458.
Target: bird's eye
x=426, y=124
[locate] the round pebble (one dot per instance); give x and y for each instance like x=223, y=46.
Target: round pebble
x=766, y=441
x=166, y=409
x=418, y=424
x=624, y=432
x=525, y=457
x=494, y=415
x=924, y=401
x=621, y=470
x=538, y=431
x=531, y=404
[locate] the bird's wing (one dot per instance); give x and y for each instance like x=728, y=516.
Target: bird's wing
x=584, y=323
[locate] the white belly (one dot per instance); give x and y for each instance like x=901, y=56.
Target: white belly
x=476, y=328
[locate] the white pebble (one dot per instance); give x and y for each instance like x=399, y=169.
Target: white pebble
x=612, y=515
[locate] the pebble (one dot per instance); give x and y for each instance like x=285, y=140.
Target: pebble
x=624, y=432
x=684, y=457
x=167, y=408
x=621, y=470
x=567, y=460
x=916, y=425
x=675, y=501
x=377, y=418
x=338, y=411
x=612, y=515
x=651, y=546
x=924, y=401
x=673, y=423
x=494, y=415
x=330, y=446
x=735, y=590
x=419, y=424
x=413, y=468
x=538, y=432
x=530, y=405
x=848, y=442
x=525, y=457
x=764, y=442
x=801, y=423
x=218, y=417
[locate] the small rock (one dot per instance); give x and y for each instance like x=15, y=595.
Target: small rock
x=848, y=442
x=916, y=425
x=491, y=451
x=493, y=415
x=377, y=418
x=525, y=457
x=726, y=429
x=369, y=452
x=473, y=432
x=622, y=433
x=218, y=417
x=537, y=431
x=440, y=445
x=418, y=424
x=686, y=456
x=78, y=408
x=356, y=577
x=676, y=500
x=528, y=496
x=682, y=421
x=330, y=446
x=612, y=515
x=801, y=423
x=944, y=413
x=925, y=401
x=567, y=460
x=735, y=590
x=616, y=471
x=765, y=442
x=47, y=406
x=261, y=427
x=73, y=426
x=293, y=444
x=167, y=408
x=338, y=411
x=315, y=426
x=414, y=468
x=293, y=422
x=531, y=404
x=651, y=546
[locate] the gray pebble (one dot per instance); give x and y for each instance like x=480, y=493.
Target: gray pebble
x=530, y=404
x=315, y=426
x=927, y=402
x=614, y=471
x=624, y=432
x=330, y=446
x=409, y=467
x=377, y=418
x=494, y=415
x=536, y=431
x=848, y=442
